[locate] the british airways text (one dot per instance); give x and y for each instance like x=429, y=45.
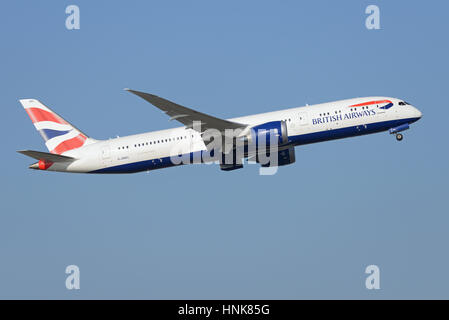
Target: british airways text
x=346, y=116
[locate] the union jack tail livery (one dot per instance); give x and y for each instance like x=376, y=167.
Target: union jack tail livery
x=59, y=135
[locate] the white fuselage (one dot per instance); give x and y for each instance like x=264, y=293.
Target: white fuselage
x=309, y=124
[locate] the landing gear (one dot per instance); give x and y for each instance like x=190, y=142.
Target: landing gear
x=399, y=136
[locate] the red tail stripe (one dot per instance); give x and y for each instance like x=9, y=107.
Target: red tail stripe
x=70, y=144
x=44, y=164
x=38, y=115
x=370, y=103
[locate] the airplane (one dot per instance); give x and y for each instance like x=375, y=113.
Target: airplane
x=71, y=150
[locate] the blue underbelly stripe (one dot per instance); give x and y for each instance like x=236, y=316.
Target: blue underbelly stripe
x=295, y=140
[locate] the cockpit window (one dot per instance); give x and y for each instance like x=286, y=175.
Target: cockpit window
x=402, y=103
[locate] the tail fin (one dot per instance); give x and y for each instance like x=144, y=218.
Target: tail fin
x=59, y=135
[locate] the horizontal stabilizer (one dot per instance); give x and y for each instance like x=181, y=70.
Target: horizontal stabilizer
x=38, y=155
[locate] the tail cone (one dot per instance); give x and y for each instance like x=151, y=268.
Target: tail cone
x=34, y=166
x=41, y=165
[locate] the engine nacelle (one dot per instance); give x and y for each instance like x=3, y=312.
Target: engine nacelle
x=268, y=152
x=278, y=158
x=262, y=135
x=286, y=156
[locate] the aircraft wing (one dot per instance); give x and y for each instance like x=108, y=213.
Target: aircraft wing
x=38, y=155
x=186, y=115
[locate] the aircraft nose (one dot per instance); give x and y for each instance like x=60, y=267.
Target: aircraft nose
x=417, y=113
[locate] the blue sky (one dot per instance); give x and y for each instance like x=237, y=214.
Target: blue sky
x=196, y=232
